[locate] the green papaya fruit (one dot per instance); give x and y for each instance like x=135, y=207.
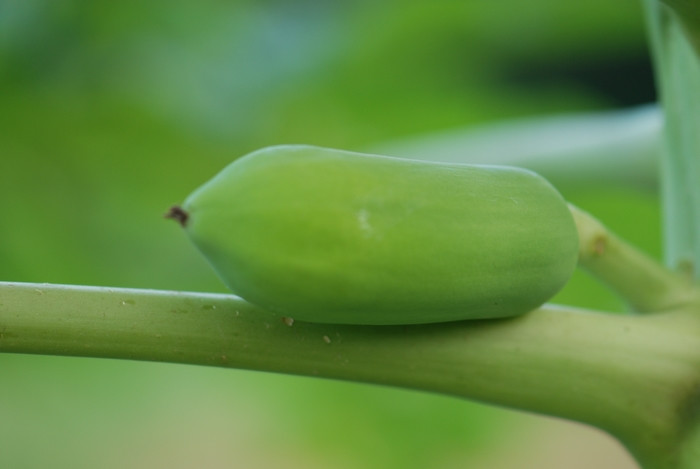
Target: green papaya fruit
x=331, y=236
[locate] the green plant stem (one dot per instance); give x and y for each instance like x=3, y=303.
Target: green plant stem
x=646, y=285
x=634, y=376
x=688, y=13
x=677, y=67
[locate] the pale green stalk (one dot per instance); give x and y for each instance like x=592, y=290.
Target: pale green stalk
x=678, y=75
x=674, y=27
x=614, y=148
x=688, y=13
x=634, y=376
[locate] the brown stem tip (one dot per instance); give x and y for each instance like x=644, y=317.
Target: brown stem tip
x=178, y=214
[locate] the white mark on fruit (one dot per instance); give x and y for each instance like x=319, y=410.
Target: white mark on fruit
x=326, y=339
x=363, y=223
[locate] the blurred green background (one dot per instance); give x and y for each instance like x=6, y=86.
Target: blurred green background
x=112, y=111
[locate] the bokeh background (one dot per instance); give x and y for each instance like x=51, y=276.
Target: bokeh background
x=112, y=111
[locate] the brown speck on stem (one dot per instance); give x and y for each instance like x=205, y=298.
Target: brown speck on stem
x=600, y=244
x=178, y=214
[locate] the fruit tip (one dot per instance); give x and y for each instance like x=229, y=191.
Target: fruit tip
x=178, y=214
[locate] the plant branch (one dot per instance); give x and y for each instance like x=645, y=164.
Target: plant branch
x=644, y=283
x=630, y=375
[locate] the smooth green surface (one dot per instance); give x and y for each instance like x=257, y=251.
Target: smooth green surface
x=332, y=236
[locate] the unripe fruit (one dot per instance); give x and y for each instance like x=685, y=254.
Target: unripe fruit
x=332, y=236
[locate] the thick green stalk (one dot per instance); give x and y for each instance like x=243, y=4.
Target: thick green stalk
x=635, y=376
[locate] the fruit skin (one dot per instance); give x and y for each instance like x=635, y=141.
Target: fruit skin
x=331, y=236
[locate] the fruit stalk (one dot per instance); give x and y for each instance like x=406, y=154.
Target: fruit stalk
x=645, y=284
